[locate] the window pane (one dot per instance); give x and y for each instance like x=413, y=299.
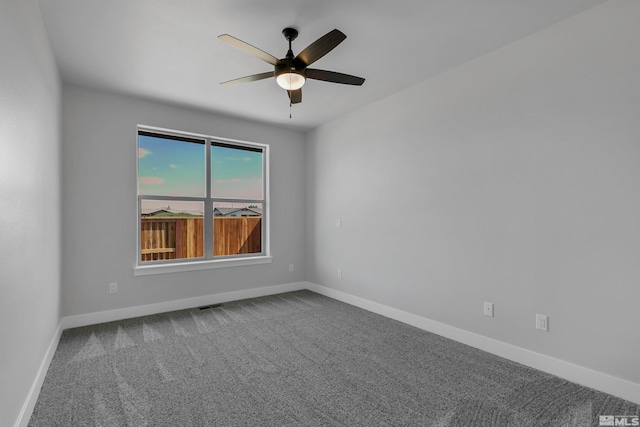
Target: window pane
x=171, y=230
x=170, y=167
x=236, y=173
x=237, y=228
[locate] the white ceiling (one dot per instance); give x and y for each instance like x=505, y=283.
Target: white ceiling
x=168, y=49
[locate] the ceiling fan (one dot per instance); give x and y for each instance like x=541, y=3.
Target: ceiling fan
x=292, y=72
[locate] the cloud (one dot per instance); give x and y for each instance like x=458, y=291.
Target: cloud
x=142, y=153
x=174, y=166
x=234, y=159
x=221, y=181
x=150, y=180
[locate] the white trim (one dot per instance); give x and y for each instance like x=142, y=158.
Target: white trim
x=569, y=371
x=163, y=307
x=32, y=397
x=145, y=270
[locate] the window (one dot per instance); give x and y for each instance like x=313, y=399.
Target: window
x=200, y=198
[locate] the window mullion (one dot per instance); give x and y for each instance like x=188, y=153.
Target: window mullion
x=208, y=205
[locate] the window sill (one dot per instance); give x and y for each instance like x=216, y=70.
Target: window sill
x=145, y=270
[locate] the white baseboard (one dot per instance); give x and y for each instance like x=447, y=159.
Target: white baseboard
x=163, y=307
x=579, y=374
x=34, y=391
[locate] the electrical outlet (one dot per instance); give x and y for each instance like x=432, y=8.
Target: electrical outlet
x=290, y=267
x=338, y=222
x=339, y=274
x=488, y=309
x=113, y=287
x=542, y=322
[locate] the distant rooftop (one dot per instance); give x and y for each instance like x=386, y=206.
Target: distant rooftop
x=169, y=210
x=216, y=212
x=237, y=212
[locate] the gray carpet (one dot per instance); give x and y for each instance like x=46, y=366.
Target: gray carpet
x=296, y=359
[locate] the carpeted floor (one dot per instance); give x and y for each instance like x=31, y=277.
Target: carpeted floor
x=296, y=359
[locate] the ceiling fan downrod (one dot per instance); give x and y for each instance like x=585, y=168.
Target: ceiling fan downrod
x=290, y=35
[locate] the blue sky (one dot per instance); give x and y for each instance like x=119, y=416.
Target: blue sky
x=170, y=168
x=177, y=168
x=236, y=173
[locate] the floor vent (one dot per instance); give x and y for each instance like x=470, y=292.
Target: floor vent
x=206, y=307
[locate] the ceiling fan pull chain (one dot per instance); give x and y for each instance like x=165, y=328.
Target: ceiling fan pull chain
x=290, y=109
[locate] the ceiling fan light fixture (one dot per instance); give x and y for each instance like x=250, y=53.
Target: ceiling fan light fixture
x=291, y=80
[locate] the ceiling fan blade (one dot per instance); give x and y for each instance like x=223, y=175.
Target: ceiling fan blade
x=251, y=78
x=251, y=50
x=321, y=47
x=334, y=77
x=295, y=96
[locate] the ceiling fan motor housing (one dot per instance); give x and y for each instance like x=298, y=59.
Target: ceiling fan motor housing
x=287, y=65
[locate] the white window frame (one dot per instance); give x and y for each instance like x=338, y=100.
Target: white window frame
x=208, y=261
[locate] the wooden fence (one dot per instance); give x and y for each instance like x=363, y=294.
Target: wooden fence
x=175, y=237
x=237, y=235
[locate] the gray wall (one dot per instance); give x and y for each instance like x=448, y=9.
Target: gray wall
x=512, y=179
x=99, y=203
x=29, y=201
